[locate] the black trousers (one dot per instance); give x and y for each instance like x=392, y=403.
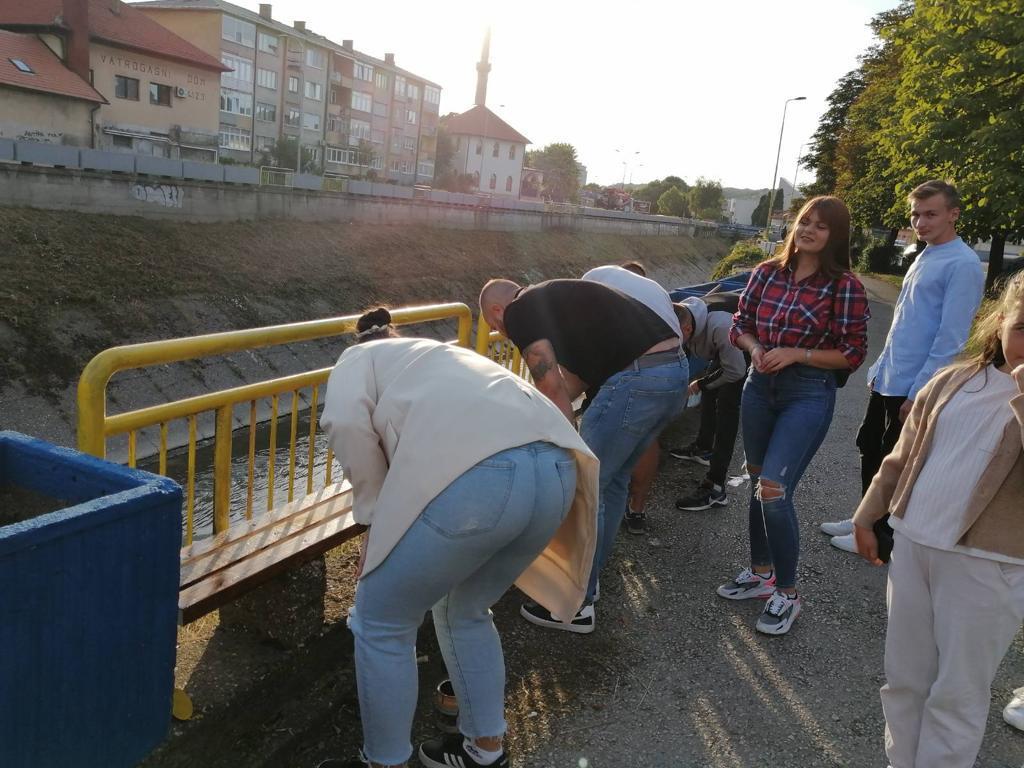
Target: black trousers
x=878, y=434
x=719, y=423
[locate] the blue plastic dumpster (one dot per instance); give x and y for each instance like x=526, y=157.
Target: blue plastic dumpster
x=88, y=607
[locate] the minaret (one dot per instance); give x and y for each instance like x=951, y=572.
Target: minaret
x=482, y=68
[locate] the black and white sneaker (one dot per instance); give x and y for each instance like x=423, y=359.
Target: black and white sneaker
x=779, y=614
x=582, y=623
x=450, y=752
x=749, y=584
x=707, y=496
x=692, y=452
x=636, y=522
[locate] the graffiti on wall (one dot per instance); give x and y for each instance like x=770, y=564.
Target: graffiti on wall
x=169, y=195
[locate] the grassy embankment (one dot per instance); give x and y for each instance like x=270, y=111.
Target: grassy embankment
x=75, y=284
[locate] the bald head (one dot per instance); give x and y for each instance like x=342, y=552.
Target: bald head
x=494, y=297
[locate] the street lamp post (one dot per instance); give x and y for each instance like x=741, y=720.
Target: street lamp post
x=797, y=169
x=625, y=161
x=778, y=152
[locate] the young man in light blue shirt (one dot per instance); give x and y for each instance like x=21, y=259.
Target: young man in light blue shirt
x=940, y=295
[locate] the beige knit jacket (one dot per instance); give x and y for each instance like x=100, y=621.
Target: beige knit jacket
x=994, y=520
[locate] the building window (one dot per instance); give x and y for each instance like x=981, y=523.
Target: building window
x=241, y=78
x=426, y=168
x=266, y=112
x=359, y=129
x=410, y=142
x=495, y=150
x=293, y=117
x=233, y=137
x=363, y=72
x=267, y=43
x=410, y=117
x=316, y=58
x=399, y=87
x=343, y=156
x=235, y=102
x=494, y=181
x=362, y=101
x=126, y=87
x=382, y=81
x=22, y=66
x=476, y=179
x=311, y=121
x=377, y=137
x=314, y=91
x=380, y=110
x=412, y=91
x=266, y=78
x=508, y=184
x=396, y=139
x=314, y=154
x=265, y=144
x=479, y=147
x=432, y=95
x=293, y=84
x=124, y=142
x=160, y=94
x=238, y=31
x=377, y=162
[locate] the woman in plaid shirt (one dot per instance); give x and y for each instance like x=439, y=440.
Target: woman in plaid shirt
x=803, y=320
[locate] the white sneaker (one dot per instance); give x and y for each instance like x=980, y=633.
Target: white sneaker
x=779, y=614
x=846, y=543
x=1014, y=711
x=838, y=528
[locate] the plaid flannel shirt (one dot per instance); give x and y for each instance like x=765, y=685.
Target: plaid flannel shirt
x=816, y=313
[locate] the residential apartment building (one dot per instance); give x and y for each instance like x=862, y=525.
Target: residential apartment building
x=157, y=90
x=354, y=115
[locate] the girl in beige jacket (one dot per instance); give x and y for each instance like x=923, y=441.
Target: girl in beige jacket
x=954, y=485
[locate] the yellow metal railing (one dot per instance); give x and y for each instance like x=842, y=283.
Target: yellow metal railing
x=494, y=345
x=95, y=426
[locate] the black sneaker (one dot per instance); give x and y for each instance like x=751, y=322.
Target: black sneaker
x=693, y=453
x=636, y=522
x=582, y=623
x=706, y=497
x=449, y=751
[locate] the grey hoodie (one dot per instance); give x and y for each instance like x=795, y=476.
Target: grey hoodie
x=710, y=341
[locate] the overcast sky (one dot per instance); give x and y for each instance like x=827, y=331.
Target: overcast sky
x=696, y=88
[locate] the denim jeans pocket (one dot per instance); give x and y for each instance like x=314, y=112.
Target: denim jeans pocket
x=474, y=502
x=567, y=477
x=645, y=409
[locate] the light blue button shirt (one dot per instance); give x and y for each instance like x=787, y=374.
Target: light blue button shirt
x=941, y=294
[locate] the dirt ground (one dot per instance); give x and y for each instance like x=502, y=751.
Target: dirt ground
x=673, y=676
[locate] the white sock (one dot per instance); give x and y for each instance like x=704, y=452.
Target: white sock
x=480, y=755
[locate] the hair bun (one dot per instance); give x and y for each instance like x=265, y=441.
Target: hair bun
x=379, y=316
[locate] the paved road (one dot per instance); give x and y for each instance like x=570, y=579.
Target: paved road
x=675, y=676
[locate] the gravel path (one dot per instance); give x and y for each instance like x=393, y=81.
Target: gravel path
x=675, y=676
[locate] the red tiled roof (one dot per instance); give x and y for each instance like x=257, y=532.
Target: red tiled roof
x=113, y=22
x=50, y=75
x=480, y=121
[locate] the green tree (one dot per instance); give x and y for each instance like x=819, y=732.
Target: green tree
x=561, y=177
x=759, y=218
x=284, y=154
x=444, y=155
x=706, y=199
x=821, y=157
x=653, y=190
x=958, y=112
x=673, y=202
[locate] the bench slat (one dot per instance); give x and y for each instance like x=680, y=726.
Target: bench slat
x=204, y=558
x=223, y=585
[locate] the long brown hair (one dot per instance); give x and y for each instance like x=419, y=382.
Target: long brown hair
x=985, y=347
x=835, y=257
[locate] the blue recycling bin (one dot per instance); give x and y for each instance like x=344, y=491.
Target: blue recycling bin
x=88, y=607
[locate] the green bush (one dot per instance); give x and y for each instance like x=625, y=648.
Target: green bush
x=745, y=253
x=876, y=256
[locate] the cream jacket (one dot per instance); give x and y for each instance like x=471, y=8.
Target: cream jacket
x=995, y=518
x=406, y=417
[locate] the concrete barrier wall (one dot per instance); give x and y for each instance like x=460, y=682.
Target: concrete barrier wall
x=154, y=196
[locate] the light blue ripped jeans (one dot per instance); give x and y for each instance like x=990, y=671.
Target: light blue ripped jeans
x=459, y=557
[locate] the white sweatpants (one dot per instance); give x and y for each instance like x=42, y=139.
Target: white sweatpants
x=952, y=618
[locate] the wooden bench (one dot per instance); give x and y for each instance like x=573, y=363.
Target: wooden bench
x=226, y=565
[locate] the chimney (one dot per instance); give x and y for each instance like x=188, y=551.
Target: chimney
x=300, y=26
x=346, y=44
x=76, y=53
x=389, y=58
x=265, y=10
